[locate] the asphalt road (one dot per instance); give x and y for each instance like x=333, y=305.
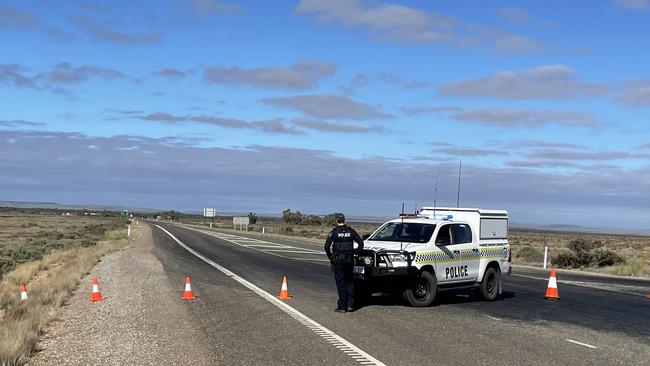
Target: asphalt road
x=598, y=321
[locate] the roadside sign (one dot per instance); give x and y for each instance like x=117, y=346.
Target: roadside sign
x=210, y=213
x=240, y=222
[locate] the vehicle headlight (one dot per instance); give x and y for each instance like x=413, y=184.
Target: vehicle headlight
x=397, y=258
x=365, y=260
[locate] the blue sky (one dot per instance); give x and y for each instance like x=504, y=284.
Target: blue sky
x=324, y=106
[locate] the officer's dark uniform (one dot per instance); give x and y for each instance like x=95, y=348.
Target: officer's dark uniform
x=339, y=248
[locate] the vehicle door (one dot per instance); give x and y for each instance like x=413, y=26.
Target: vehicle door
x=456, y=262
x=445, y=257
x=463, y=243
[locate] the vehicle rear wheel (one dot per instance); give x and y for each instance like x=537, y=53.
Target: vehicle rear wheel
x=422, y=290
x=490, y=284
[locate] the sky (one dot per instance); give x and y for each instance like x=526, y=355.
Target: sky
x=320, y=106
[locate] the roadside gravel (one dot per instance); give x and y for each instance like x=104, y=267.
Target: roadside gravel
x=141, y=321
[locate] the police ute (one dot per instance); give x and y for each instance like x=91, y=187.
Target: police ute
x=441, y=247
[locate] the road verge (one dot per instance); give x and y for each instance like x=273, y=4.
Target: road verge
x=50, y=282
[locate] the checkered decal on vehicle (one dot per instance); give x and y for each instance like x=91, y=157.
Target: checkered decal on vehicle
x=469, y=254
x=430, y=257
x=494, y=252
x=466, y=254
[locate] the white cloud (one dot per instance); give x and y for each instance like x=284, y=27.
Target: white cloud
x=59, y=166
x=414, y=111
x=501, y=117
x=325, y=126
x=389, y=20
x=14, y=18
x=170, y=73
x=329, y=106
x=301, y=75
x=637, y=95
x=513, y=43
x=20, y=123
x=544, y=82
x=65, y=73
x=103, y=31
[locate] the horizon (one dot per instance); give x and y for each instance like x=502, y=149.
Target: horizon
x=323, y=106
x=518, y=226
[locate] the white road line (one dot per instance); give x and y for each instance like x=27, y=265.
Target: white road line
x=493, y=318
x=289, y=251
x=313, y=259
x=234, y=241
x=300, y=317
x=581, y=284
x=581, y=344
x=261, y=246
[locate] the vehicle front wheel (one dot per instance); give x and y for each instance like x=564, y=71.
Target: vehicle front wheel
x=422, y=290
x=490, y=284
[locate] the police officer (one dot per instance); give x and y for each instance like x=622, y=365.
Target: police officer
x=339, y=248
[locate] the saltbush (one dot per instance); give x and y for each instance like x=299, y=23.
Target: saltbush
x=566, y=259
x=598, y=257
x=583, y=245
x=605, y=257
x=530, y=254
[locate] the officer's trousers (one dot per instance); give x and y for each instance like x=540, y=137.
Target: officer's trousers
x=344, y=277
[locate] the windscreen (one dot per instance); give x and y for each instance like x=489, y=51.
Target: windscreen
x=411, y=232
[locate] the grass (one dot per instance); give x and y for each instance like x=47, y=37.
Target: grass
x=26, y=237
x=527, y=245
x=68, y=248
x=635, y=267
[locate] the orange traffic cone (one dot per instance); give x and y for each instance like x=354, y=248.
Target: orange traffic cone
x=95, y=295
x=284, y=291
x=23, y=292
x=187, y=294
x=551, y=290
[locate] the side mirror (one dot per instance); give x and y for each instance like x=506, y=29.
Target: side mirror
x=442, y=243
x=365, y=236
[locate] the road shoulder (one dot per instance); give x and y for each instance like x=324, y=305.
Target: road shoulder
x=142, y=319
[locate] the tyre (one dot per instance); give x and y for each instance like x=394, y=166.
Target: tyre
x=422, y=290
x=490, y=284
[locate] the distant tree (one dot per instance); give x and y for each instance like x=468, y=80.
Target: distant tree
x=170, y=215
x=313, y=220
x=252, y=217
x=295, y=218
x=286, y=215
x=330, y=219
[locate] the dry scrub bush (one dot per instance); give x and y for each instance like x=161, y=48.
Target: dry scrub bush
x=583, y=245
x=51, y=280
x=598, y=257
x=530, y=255
x=635, y=267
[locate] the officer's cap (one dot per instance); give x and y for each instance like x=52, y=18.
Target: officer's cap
x=339, y=217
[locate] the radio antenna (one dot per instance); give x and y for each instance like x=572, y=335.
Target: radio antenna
x=460, y=168
x=435, y=193
x=401, y=228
